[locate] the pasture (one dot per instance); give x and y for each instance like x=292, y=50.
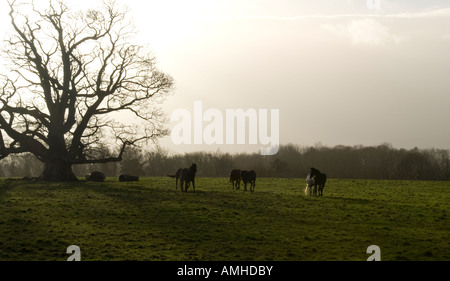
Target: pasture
x=150, y=220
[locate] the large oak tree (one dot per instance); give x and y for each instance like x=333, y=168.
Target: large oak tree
x=73, y=80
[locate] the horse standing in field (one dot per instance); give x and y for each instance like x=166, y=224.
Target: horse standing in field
x=176, y=176
x=187, y=176
x=319, y=180
x=235, y=178
x=249, y=177
x=309, y=186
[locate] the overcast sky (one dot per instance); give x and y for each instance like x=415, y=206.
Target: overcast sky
x=341, y=72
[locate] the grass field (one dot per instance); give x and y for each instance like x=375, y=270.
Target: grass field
x=151, y=221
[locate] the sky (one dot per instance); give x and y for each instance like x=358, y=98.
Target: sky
x=340, y=72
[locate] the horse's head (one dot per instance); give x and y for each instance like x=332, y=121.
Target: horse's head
x=194, y=167
x=313, y=172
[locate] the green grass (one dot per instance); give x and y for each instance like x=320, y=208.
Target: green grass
x=150, y=220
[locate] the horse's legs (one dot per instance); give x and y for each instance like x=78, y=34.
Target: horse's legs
x=193, y=184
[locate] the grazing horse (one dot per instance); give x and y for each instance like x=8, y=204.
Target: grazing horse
x=249, y=177
x=176, y=176
x=235, y=178
x=319, y=180
x=187, y=176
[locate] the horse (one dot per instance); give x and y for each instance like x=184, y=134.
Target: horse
x=235, y=178
x=319, y=180
x=309, y=185
x=176, y=176
x=187, y=176
x=248, y=177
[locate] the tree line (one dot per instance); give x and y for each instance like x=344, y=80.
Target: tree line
x=292, y=161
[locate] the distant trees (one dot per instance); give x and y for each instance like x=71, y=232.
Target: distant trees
x=292, y=161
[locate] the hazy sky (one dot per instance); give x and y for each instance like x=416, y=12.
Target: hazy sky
x=339, y=71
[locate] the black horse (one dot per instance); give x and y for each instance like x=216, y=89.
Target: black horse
x=235, y=178
x=249, y=177
x=187, y=176
x=319, y=180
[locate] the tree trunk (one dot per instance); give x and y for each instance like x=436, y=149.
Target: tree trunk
x=58, y=170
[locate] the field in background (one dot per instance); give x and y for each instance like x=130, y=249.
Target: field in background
x=149, y=220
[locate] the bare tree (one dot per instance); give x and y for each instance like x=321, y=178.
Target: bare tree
x=71, y=76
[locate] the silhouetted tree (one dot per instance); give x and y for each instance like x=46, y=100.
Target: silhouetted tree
x=70, y=72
